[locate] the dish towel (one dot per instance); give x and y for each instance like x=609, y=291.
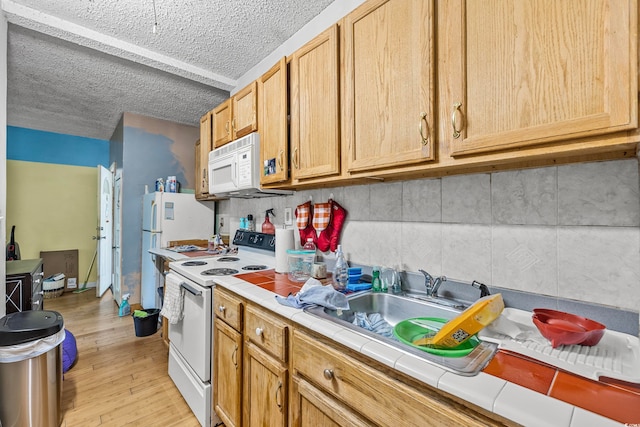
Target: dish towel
x=324, y=296
x=173, y=304
x=373, y=322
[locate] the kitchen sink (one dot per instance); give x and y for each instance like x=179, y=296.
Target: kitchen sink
x=396, y=308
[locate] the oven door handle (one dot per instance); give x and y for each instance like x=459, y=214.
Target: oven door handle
x=190, y=289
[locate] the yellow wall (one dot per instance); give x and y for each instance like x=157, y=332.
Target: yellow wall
x=54, y=207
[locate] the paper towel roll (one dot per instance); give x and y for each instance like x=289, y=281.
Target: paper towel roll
x=284, y=240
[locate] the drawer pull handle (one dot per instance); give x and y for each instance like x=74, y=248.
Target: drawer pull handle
x=234, y=357
x=328, y=374
x=279, y=396
x=259, y=332
x=221, y=308
x=280, y=160
x=423, y=119
x=457, y=127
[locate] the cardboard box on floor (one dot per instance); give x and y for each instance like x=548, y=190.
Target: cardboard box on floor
x=62, y=262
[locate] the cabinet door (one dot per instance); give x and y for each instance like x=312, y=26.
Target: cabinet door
x=244, y=111
x=199, y=172
x=388, y=83
x=205, y=146
x=265, y=389
x=535, y=71
x=311, y=407
x=315, y=108
x=274, y=148
x=222, y=124
x=227, y=365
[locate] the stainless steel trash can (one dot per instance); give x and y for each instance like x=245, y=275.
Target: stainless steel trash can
x=31, y=369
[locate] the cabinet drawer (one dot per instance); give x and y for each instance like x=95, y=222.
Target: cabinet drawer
x=382, y=399
x=228, y=308
x=267, y=332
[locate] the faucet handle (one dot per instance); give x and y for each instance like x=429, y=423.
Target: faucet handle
x=484, y=291
x=428, y=279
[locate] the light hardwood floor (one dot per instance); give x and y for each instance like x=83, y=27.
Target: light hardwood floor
x=118, y=379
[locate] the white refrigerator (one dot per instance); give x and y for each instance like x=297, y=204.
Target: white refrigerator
x=167, y=217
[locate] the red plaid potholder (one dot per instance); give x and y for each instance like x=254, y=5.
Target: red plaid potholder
x=303, y=213
x=321, y=216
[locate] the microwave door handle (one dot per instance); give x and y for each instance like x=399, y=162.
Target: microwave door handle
x=234, y=173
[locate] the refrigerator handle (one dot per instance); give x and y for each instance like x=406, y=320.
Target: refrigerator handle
x=153, y=243
x=154, y=215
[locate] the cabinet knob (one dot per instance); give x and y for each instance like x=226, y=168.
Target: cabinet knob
x=35, y=303
x=259, y=331
x=328, y=374
x=221, y=309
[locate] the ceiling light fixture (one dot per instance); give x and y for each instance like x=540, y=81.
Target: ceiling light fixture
x=155, y=17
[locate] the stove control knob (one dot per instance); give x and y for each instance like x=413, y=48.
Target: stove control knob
x=259, y=332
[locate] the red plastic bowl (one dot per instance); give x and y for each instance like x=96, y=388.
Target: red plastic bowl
x=567, y=329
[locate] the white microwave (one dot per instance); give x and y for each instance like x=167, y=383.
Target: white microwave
x=234, y=169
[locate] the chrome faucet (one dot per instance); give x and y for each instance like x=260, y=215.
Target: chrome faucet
x=432, y=283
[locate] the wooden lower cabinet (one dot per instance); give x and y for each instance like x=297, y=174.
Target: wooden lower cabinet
x=265, y=389
x=227, y=357
x=227, y=393
x=311, y=407
x=369, y=394
x=269, y=373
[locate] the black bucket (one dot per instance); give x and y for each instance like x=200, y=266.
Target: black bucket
x=146, y=326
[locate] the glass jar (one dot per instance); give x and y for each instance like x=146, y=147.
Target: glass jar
x=300, y=264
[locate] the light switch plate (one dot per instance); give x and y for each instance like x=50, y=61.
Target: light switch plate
x=288, y=216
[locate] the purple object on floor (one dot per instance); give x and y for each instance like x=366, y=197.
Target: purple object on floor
x=69, y=351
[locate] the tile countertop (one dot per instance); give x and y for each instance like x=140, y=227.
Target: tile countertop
x=516, y=387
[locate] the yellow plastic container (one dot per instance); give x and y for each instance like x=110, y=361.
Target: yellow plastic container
x=466, y=324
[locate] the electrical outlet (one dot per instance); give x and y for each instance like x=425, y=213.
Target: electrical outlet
x=288, y=216
x=222, y=224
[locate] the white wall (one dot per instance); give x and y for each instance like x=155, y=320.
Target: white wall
x=3, y=155
x=332, y=14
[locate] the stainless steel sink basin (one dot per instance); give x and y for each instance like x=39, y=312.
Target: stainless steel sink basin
x=394, y=309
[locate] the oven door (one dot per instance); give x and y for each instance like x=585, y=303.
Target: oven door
x=191, y=336
x=223, y=174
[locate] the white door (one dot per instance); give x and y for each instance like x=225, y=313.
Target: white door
x=105, y=229
x=117, y=220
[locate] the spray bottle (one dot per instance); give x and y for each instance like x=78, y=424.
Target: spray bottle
x=125, y=308
x=267, y=226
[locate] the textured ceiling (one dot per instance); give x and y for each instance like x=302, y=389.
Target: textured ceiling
x=74, y=66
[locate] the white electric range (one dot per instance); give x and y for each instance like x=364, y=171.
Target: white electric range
x=190, y=349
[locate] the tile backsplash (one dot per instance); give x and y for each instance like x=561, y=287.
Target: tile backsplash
x=571, y=231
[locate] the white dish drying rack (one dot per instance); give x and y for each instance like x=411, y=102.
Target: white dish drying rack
x=617, y=355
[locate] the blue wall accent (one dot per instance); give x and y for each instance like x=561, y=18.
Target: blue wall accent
x=31, y=145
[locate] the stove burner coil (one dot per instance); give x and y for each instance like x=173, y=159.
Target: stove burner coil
x=228, y=259
x=255, y=267
x=219, y=272
x=193, y=263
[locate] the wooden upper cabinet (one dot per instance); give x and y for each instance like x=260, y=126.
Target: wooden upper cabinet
x=244, y=111
x=274, y=129
x=202, y=155
x=527, y=72
x=315, y=108
x=222, y=132
x=388, y=80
